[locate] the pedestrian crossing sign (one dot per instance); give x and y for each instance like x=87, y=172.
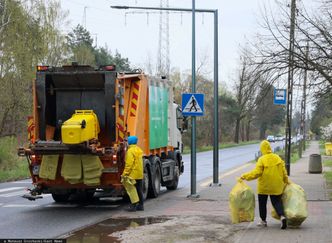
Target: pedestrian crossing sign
x=192, y=104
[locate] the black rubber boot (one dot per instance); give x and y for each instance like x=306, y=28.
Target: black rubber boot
x=132, y=207
x=140, y=207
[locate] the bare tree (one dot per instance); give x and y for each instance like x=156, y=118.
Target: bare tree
x=245, y=92
x=313, y=29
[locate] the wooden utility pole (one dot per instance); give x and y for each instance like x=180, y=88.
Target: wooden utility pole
x=304, y=99
x=290, y=83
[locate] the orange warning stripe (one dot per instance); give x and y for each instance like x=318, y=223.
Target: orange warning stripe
x=134, y=99
x=31, y=129
x=121, y=128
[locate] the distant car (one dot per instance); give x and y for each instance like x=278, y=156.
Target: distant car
x=270, y=138
x=279, y=138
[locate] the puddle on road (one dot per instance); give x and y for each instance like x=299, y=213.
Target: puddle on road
x=101, y=232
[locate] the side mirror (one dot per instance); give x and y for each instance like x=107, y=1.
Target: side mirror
x=185, y=121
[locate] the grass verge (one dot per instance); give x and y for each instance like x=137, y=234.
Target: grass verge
x=12, y=167
x=322, y=147
x=328, y=175
x=294, y=154
x=186, y=149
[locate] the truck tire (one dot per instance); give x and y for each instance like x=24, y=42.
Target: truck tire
x=154, y=186
x=83, y=196
x=60, y=198
x=173, y=185
x=89, y=195
x=146, y=179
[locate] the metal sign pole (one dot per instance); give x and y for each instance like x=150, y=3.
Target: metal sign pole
x=193, y=118
x=215, y=117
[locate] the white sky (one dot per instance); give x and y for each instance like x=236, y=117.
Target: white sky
x=137, y=36
x=137, y=39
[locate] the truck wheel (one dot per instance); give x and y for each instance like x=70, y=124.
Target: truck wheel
x=173, y=185
x=146, y=180
x=89, y=195
x=60, y=198
x=154, y=187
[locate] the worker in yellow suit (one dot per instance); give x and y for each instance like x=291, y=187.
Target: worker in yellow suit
x=272, y=178
x=134, y=171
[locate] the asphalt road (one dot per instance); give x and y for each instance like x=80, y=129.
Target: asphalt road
x=228, y=158
x=20, y=218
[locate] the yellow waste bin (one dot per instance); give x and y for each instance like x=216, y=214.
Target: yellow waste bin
x=328, y=148
x=81, y=127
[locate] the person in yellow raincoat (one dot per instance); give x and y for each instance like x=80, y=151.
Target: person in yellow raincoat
x=272, y=178
x=134, y=170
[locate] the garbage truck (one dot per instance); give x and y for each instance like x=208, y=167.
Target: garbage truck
x=81, y=118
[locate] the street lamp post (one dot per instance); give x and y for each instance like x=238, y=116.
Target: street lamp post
x=216, y=75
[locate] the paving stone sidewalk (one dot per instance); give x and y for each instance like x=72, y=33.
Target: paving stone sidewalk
x=318, y=225
x=207, y=219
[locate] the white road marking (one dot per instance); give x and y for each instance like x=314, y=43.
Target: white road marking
x=13, y=194
x=20, y=205
x=102, y=206
x=21, y=182
x=61, y=206
x=209, y=181
x=11, y=189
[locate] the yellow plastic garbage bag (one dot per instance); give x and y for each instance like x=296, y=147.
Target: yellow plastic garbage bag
x=49, y=166
x=294, y=201
x=85, y=169
x=72, y=168
x=92, y=169
x=242, y=203
x=129, y=185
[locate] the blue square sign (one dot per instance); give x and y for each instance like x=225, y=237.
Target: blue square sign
x=279, y=97
x=192, y=104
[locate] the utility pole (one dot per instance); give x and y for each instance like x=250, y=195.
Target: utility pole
x=290, y=83
x=163, y=48
x=304, y=99
x=84, y=17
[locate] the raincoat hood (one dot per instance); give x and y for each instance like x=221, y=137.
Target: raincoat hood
x=265, y=147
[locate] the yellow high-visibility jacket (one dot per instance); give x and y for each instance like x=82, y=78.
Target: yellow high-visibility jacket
x=134, y=163
x=270, y=170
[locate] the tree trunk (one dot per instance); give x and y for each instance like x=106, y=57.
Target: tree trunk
x=262, y=131
x=242, y=131
x=248, y=131
x=237, y=131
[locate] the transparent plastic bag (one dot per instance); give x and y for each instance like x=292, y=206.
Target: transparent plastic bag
x=294, y=201
x=242, y=203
